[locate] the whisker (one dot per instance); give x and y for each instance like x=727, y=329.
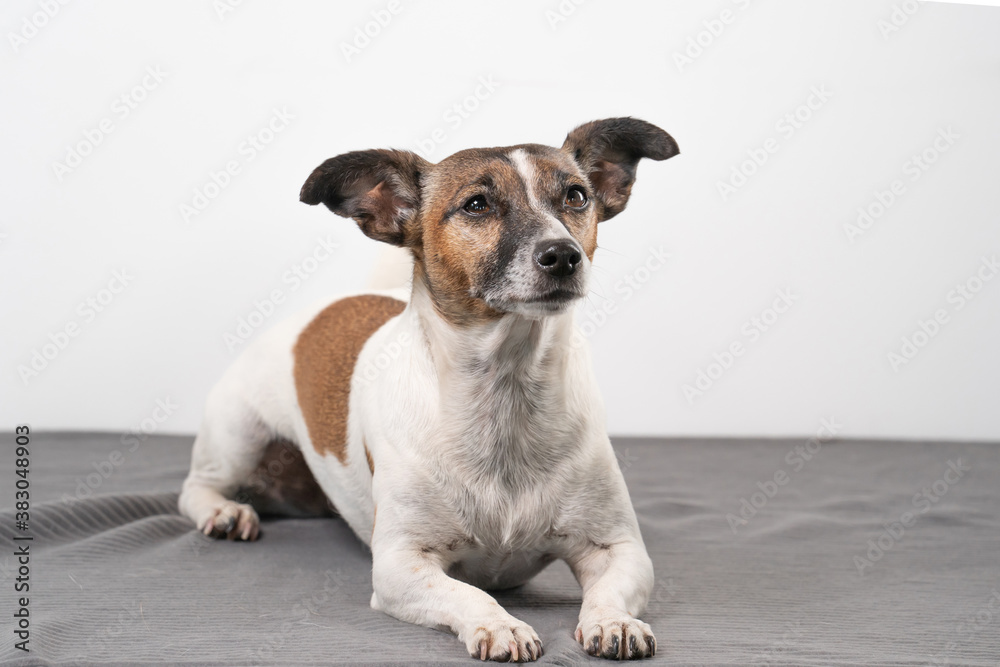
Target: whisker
x=606, y=298
x=614, y=252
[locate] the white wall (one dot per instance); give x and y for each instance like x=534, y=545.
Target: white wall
x=162, y=337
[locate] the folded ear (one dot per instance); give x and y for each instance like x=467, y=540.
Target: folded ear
x=380, y=189
x=608, y=151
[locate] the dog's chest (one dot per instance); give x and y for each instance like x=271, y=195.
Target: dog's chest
x=501, y=524
x=494, y=571
x=501, y=537
x=508, y=439
x=489, y=478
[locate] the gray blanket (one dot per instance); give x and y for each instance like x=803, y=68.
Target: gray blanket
x=857, y=553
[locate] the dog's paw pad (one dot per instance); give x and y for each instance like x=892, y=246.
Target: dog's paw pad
x=617, y=639
x=232, y=520
x=505, y=640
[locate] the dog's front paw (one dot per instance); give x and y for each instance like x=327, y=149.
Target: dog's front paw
x=617, y=638
x=504, y=640
x=232, y=520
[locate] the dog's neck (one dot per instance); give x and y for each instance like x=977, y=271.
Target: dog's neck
x=502, y=383
x=512, y=346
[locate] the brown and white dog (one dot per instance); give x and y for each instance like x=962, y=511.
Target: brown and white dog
x=457, y=431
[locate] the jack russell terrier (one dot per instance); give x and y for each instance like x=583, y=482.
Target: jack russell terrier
x=458, y=431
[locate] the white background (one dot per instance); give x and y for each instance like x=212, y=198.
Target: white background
x=162, y=337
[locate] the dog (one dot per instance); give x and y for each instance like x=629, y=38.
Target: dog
x=458, y=430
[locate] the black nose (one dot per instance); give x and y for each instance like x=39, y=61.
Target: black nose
x=559, y=259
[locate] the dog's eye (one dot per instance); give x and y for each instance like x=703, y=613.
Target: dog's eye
x=576, y=197
x=477, y=206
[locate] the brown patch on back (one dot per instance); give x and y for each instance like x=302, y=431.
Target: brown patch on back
x=325, y=356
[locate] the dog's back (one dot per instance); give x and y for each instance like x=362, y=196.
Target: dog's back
x=288, y=388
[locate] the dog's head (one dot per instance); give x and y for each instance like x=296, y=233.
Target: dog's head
x=495, y=230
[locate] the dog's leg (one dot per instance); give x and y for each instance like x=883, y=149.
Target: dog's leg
x=617, y=580
x=227, y=450
x=411, y=584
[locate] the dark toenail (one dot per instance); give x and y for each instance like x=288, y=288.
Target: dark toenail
x=613, y=650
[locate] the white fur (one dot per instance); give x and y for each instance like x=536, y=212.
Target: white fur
x=491, y=459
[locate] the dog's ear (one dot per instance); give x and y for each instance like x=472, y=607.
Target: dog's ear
x=608, y=151
x=380, y=189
